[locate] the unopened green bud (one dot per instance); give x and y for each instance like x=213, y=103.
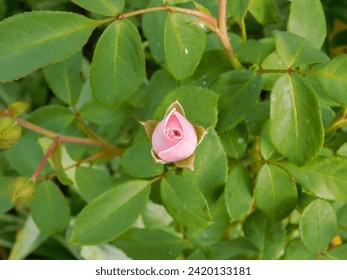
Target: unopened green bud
x=17, y=108
x=10, y=132
x=21, y=189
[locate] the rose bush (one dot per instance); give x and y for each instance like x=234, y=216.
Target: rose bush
x=265, y=78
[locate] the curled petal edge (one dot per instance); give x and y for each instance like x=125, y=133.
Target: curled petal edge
x=200, y=133
x=177, y=106
x=149, y=127
x=156, y=158
x=187, y=162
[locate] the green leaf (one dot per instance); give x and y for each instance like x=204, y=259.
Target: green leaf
x=337, y=253
x=153, y=25
x=71, y=152
x=342, y=217
x=137, y=161
x=296, y=128
x=185, y=202
x=267, y=234
x=257, y=117
x=97, y=114
x=210, y=167
x=161, y=83
x=318, y=225
x=194, y=100
x=92, y=182
x=102, y=7
x=307, y=20
x=256, y=51
x=267, y=150
x=342, y=151
x=33, y=156
x=32, y=40
x=272, y=61
x=239, y=91
x=5, y=201
x=296, y=250
x=265, y=11
x=275, y=193
x=324, y=178
x=175, y=2
x=332, y=77
x=213, y=63
x=213, y=42
x=28, y=239
x=3, y=8
x=215, y=231
x=238, y=192
x=49, y=208
x=155, y=216
x=239, y=248
x=296, y=51
x=56, y=161
x=118, y=66
x=238, y=9
x=184, y=43
x=102, y=252
x=119, y=207
x=235, y=141
x=59, y=117
x=197, y=254
x=208, y=5
x=150, y=244
x=64, y=78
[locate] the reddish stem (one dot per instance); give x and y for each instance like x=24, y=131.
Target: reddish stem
x=41, y=165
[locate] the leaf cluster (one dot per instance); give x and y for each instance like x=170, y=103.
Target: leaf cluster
x=266, y=78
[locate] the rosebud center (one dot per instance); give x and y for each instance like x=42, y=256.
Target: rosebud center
x=174, y=133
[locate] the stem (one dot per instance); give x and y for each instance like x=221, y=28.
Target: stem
x=196, y=13
x=90, y=133
x=36, y=128
x=222, y=34
x=44, y=160
x=163, y=175
x=141, y=11
x=84, y=128
x=51, y=134
x=243, y=30
x=222, y=13
x=339, y=121
x=68, y=139
x=218, y=27
x=91, y=158
x=273, y=71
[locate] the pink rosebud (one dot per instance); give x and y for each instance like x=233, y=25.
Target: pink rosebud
x=174, y=139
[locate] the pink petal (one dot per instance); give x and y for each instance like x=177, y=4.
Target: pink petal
x=185, y=147
x=172, y=121
x=160, y=141
x=175, y=105
x=182, y=150
x=174, y=138
x=160, y=137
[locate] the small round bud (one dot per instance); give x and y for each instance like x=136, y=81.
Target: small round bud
x=21, y=189
x=10, y=132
